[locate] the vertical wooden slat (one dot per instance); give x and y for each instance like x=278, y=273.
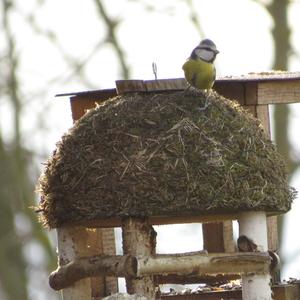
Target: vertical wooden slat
x=139, y=239
x=218, y=237
x=109, y=247
x=229, y=244
x=213, y=237
x=95, y=247
x=72, y=243
x=262, y=112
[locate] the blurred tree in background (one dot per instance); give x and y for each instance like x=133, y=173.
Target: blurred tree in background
x=20, y=231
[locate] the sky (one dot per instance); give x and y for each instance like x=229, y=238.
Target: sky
x=240, y=29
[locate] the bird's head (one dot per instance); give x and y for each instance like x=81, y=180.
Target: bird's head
x=206, y=51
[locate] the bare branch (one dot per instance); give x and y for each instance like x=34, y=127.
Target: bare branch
x=111, y=26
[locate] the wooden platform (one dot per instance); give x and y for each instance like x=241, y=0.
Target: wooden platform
x=281, y=292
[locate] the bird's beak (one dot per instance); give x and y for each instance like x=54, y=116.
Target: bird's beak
x=217, y=51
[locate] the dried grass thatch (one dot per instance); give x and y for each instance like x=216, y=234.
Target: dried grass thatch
x=162, y=155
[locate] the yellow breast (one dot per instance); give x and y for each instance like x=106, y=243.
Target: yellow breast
x=199, y=73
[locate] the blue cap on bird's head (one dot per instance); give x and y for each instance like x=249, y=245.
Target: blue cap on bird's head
x=208, y=45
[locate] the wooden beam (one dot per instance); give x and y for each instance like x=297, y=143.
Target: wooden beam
x=160, y=220
x=278, y=92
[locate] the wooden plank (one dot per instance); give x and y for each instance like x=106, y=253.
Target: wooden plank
x=218, y=237
x=166, y=84
x=191, y=279
x=282, y=292
x=81, y=103
x=159, y=220
x=281, y=76
x=213, y=237
x=217, y=295
x=71, y=244
x=272, y=223
x=95, y=247
x=278, y=92
x=287, y=292
x=262, y=113
x=109, y=247
x=251, y=93
x=130, y=86
x=228, y=240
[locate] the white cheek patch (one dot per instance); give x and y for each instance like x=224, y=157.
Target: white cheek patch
x=204, y=54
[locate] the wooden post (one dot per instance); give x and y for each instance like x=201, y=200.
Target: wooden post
x=139, y=239
x=102, y=241
x=109, y=247
x=253, y=225
x=71, y=244
x=218, y=237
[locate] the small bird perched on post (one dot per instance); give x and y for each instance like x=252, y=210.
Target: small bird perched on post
x=199, y=70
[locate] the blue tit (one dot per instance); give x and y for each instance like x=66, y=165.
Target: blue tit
x=199, y=70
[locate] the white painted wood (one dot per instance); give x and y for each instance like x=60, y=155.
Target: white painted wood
x=72, y=243
x=254, y=226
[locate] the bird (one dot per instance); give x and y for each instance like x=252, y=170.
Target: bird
x=199, y=69
x=245, y=244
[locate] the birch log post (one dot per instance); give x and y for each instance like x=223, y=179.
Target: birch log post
x=93, y=266
x=139, y=239
x=253, y=225
x=71, y=244
x=202, y=264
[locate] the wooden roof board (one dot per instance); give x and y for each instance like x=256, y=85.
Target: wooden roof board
x=267, y=87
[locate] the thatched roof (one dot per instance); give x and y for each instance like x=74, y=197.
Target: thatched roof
x=163, y=155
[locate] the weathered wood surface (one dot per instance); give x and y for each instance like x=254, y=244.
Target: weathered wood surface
x=139, y=240
x=98, y=265
x=160, y=220
x=109, y=248
x=84, y=101
x=71, y=244
x=250, y=89
x=210, y=263
x=194, y=279
x=281, y=292
x=193, y=264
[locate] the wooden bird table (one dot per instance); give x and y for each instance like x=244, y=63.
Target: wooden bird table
x=255, y=92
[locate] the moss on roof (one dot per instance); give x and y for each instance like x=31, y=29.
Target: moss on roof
x=166, y=154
